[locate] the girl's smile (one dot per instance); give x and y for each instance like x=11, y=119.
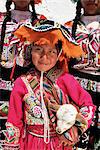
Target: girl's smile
x=44, y=57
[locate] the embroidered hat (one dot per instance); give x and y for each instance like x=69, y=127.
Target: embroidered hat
x=52, y=32
x=43, y=32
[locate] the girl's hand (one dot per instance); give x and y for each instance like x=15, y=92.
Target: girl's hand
x=74, y=136
x=53, y=105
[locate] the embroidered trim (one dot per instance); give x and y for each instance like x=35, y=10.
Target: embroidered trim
x=31, y=120
x=12, y=133
x=4, y=109
x=4, y=146
x=89, y=84
x=38, y=135
x=87, y=112
x=6, y=85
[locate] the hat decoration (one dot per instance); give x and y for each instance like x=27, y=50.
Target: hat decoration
x=44, y=32
x=49, y=31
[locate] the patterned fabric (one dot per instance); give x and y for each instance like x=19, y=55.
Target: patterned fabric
x=33, y=118
x=12, y=134
x=89, y=41
x=10, y=52
x=87, y=72
x=6, y=85
x=4, y=109
x=6, y=64
x=36, y=119
x=38, y=34
x=89, y=84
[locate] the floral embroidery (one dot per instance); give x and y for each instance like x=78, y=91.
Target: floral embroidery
x=12, y=133
x=31, y=120
x=37, y=111
x=33, y=106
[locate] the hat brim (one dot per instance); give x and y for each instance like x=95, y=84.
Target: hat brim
x=34, y=34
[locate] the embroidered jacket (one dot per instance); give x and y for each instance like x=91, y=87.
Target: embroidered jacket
x=88, y=36
x=10, y=52
x=25, y=118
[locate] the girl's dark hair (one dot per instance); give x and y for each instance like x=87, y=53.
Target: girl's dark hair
x=8, y=18
x=77, y=18
x=34, y=16
x=3, y=29
x=58, y=45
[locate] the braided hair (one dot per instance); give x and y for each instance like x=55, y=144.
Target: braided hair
x=8, y=18
x=77, y=18
x=34, y=16
x=3, y=29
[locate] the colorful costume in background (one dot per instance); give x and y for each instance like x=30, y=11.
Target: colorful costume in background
x=7, y=61
x=87, y=68
x=26, y=128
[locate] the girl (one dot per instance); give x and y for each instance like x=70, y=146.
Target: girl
x=86, y=31
x=8, y=24
x=42, y=97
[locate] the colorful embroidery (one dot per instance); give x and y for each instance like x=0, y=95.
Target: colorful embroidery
x=6, y=85
x=31, y=120
x=89, y=41
x=87, y=112
x=12, y=133
x=4, y=109
x=5, y=146
x=89, y=84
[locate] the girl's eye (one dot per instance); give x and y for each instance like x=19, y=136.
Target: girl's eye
x=54, y=51
x=37, y=48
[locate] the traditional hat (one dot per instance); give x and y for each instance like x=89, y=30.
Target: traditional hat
x=52, y=32
x=44, y=32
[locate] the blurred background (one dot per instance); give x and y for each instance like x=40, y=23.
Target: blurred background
x=57, y=10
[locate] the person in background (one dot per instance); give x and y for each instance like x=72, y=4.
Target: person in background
x=47, y=113
x=8, y=24
x=86, y=31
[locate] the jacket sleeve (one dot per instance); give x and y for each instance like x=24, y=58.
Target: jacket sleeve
x=15, y=125
x=81, y=98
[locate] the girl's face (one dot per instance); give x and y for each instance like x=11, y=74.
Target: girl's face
x=44, y=57
x=21, y=4
x=91, y=7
